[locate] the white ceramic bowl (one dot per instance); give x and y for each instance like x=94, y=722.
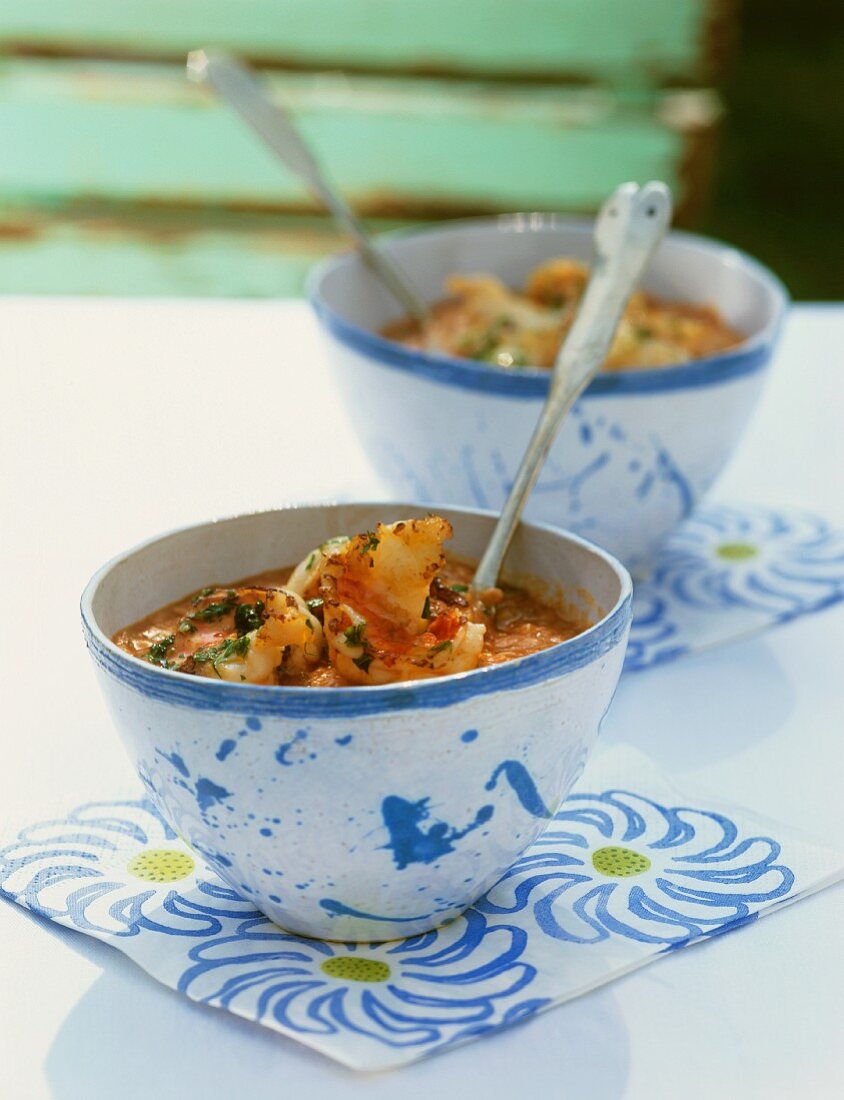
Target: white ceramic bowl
x=638, y=449
x=358, y=813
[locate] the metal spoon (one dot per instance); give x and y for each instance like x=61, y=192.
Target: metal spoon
x=629, y=226
x=234, y=83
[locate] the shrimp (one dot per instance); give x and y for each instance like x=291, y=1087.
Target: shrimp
x=377, y=608
x=484, y=290
x=486, y=299
x=486, y=320
x=288, y=644
x=557, y=282
x=305, y=578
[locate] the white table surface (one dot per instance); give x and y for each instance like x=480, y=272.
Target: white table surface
x=123, y=418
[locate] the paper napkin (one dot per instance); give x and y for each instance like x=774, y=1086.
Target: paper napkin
x=730, y=571
x=629, y=871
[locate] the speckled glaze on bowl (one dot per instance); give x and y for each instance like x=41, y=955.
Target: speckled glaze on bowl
x=638, y=449
x=358, y=813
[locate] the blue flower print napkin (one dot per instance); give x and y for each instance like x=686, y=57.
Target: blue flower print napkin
x=730, y=571
x=627, y=872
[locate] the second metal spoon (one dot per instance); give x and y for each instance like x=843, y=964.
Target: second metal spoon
x=629, y=226
x=234, y=83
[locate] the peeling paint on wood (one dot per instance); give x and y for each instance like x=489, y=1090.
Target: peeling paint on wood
x=112, y=249
x=142, y=133
x=122, y=178
x=608, y=40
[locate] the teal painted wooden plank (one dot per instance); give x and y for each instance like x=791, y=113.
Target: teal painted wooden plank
x=140, y=132
x=135, y=254
x=604, y=38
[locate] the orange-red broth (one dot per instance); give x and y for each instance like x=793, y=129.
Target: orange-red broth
x=517, y=622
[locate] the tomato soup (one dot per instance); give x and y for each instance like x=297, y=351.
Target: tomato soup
x=483, y=319
x=192, y=633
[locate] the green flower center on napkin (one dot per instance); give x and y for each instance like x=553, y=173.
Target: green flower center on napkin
x=355, y=970
x=619, y=862
x=161, y=865
x=736, y=551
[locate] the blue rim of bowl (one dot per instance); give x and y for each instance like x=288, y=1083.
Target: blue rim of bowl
x=255, y=700
x=528, y=383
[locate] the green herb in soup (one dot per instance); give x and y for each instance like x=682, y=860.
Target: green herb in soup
x=483, y=319
x=381, y=607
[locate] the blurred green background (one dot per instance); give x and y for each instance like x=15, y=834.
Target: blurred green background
x=117, y=176
x=779, y=177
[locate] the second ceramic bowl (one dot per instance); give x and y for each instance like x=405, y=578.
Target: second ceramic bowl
x=638, y=449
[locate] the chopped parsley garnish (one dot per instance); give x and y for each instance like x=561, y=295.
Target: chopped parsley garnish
x=201, y=595
x=354, y=634
x=232, y=647
x=314, y=605
x=249, y=616
x=484, y=344
x=354, y=637
x=215, y=610
x=309, y=564
x=235, y=647
x=426, y=610
x=371, y=543
x=440, y=647
x=156, y=652
x=186, y=626
x=459, y=587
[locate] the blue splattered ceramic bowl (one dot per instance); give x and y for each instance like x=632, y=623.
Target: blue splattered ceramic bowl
x=638, y=449
x=359, y=813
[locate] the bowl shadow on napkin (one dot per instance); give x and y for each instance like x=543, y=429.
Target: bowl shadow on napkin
x=716, y=703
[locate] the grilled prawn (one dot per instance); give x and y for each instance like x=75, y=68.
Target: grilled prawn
x=377, y=615
x=288, y=643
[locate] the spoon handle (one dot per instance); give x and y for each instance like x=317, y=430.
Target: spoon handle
x=234, y=83
x=629, y=226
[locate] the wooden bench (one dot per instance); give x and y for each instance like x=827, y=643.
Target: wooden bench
x=119, y=176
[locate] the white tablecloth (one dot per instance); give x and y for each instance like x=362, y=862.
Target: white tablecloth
x=123, y=418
